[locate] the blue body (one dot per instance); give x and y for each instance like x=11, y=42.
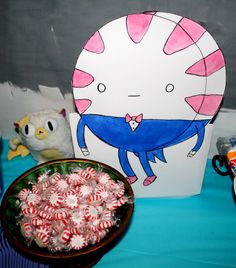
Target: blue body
x=146, y=142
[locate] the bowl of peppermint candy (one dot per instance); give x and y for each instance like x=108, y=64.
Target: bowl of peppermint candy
x=67, y=212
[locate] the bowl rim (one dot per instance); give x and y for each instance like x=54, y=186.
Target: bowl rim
x=102, y=245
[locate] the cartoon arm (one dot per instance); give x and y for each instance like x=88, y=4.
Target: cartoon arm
x=80, y=137
x=200, y=132
x=17, y=148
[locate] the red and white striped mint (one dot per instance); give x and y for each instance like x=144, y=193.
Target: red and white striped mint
x=71, y=201
x=65, y=235
x=121, y=201
x=85, y=190
x=120, y=192
x=55, y=199
x=43, y=214
x=77, y=218
x=84, y=174
x=43, y=177
x=33, y=199
x=62, y=222
x=77, y=241
x=45, y=229
x=111, y=204
x=102, y=233
x=69, y=191
x=107, y=215
x=52, y=190
x=95, y=199
x=102, y=192
x=112, y=185
x=103, y=178
x=55, y=177
x=30, y=212
x=37, y=221
x=41, y=239
x=74, y=179
x=57, y=226
x=23, y=194
x=49, y=208
x=93, y=238
x=99, y=188
x=44, y=185
x=75, y=230
x=26, y=230
x=106, y=224
x=92, y=227
x=91, y=213
x=35, y=188
x=91, y=171
x=96, y=237
x=60, y=213
x=61, y=185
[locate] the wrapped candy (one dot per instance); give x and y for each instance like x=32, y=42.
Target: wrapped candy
x=70, y=211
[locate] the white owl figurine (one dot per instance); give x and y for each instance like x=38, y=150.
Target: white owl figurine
x=45, y=134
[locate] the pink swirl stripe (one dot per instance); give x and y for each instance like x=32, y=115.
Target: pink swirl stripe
x=95, y=44
x=81, y=79
x=137, y=25
x=186, y=33
x=82, y=105
x=208, y=65
x=205, y=104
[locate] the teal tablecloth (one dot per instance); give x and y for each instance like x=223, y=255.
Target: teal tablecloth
x=198, y=231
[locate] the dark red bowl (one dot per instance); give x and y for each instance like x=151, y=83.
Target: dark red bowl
x=85, y=257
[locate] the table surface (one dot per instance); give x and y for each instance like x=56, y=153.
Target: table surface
x=197, y=231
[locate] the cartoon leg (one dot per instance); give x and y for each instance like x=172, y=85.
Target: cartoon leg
x=200, y=129
x=147, y=168
x=124, y=162
x=80, y=137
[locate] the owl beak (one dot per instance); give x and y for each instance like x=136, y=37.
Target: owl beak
x=41, y=133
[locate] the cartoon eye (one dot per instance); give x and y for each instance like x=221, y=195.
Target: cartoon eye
x=51, y=125
x=170, y=87
x=101, y=87
x=28, y=130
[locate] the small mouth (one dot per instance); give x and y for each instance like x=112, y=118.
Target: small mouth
x=133, y=95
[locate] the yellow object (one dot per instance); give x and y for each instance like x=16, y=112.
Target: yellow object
x=51, y=154
x=41, y=133
x=20, y=150
x=23, y=121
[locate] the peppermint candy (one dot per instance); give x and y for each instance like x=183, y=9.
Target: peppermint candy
x=33, y=199
x=26, y=230
x=65, y=235
x=70, y=211
x=77, y=241
x=91, y=213
x=55, y=199
x=41, y=239
x=23, y=194
x=60, y=214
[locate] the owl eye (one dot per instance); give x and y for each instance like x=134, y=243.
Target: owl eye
x=101, y=87
x=28, y=130
x=51, y=125
x=170, y=87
